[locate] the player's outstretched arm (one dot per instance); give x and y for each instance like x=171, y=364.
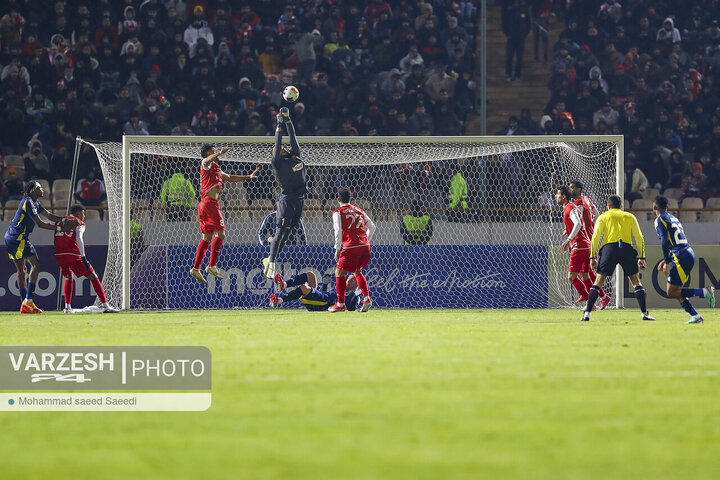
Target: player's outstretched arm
x=294, y=145
x=277, y=149
x=211, y=158
x=51, y=216
x=240, y=178
x=51, y=226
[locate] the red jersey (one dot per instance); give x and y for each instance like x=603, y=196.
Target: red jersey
x=581, y=241
x=90, y=190
x=71, y=243
x=587, y=213
x=209, y=178
x=353, y=228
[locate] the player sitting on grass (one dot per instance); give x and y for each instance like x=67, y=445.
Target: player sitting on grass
x=678, y=260
x=314, y=297
x=70, y=256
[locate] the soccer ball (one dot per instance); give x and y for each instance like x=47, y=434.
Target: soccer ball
x=291, y=93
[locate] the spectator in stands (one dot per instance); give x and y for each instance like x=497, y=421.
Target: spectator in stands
x=657, y=171
x=305, y=45
x=13, y=185
x=516, y=26
x=411, y=59
x=198, y=29
x=135, y=126
x=421, y=120
x=679, y=169
x=694, y=183
x=668, y=32
x=512, y=128
x=37, y=165
x=607, y=114
x=90, y=191
x=713, y=180
x=527, y=123
x=635, y=180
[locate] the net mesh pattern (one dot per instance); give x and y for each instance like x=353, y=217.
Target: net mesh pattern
x=510, y=227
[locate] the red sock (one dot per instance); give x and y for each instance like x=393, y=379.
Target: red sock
x=340, y=286
x=97, y=286
x=592, y=282
x=200, y=254
x=580, y=287
x=362, y=283
x=68, y=289
x=215, y=251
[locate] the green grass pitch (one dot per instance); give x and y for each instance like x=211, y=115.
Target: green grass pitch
x=522, y=394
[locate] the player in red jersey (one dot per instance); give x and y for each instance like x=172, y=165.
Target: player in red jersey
x=577, y=241
x=588, y=214
x=211, y=219
x=353, y=230
x=70, y=256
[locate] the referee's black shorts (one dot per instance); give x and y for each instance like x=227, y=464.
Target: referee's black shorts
x=290, y=210
x=618, y=253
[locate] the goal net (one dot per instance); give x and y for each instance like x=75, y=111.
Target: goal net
x=494, y=240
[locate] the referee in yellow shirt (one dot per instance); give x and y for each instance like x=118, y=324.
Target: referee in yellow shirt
x=613, y=236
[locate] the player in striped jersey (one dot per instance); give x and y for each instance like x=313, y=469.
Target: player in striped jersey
x=678, y=260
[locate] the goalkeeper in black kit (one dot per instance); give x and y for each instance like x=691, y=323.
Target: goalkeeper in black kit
x=290, y=173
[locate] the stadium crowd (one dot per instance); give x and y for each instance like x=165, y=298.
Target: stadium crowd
x=646, y=69
x=215, y=67
x=68, y=68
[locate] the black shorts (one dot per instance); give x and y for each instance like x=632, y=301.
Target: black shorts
x=618, y=253
x=290, y=210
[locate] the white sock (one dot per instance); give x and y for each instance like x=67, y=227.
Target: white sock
x=280, y=300
x=341, y=304
x=67, y=306
x=365, y=299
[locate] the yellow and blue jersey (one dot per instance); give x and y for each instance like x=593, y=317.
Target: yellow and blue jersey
x=671, y=234
x=23, y=224
x=17, y=235
x=676, y=249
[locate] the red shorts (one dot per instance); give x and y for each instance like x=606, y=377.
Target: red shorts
x=70, y=264
x=353, y=259
x=211, y=218
x=579, y=261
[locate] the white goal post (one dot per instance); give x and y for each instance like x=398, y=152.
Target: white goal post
x=498, y=248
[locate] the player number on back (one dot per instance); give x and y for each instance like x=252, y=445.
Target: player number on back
x=680, y=238
x=355, y=219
